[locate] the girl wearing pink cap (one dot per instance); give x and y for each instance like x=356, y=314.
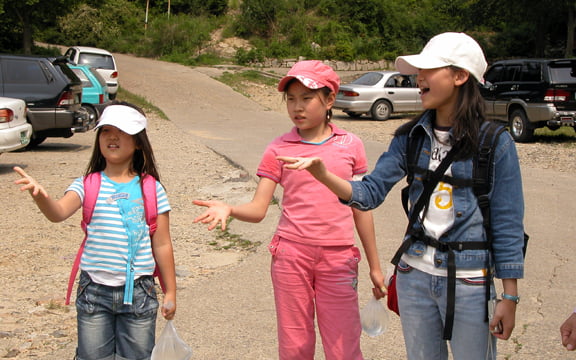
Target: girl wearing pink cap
x=116, y=300
x=314, y=260
x=448, y=258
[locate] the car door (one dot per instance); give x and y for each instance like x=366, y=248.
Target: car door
x=401, y=90
x=501, y=86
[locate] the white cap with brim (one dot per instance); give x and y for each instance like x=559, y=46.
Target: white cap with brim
x=125, y=118
x=446, y=49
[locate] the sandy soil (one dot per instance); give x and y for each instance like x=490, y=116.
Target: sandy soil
x=36, y=255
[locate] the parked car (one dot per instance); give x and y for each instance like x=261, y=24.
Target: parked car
x=15, y=131
x=94, y=89
x=100, y=59
x=531, y=93
x=379, y=94
x=52, y=94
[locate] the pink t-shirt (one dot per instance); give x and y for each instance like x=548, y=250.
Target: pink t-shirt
x=311, y=213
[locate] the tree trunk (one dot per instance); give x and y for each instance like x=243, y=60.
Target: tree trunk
x=570, y=28
x=27, y=38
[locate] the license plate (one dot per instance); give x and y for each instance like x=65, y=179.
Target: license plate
x=23, y=138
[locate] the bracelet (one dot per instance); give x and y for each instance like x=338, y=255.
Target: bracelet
x=516, y=299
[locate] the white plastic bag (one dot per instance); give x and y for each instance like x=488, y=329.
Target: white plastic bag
x=374, y=318
x=169, y=346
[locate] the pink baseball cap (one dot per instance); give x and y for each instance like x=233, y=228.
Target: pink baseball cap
x=446, y=49
x=313, y=74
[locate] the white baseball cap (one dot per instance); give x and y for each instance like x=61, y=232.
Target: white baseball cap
x=446, y=49
x=125, y=118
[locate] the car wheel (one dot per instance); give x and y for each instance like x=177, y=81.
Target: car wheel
x=381, y=110
x=520, y=128
x=353, y=114
x=35, y=140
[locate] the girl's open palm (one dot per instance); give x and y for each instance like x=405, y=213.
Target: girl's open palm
x=217, y=212
x=28, y=183
x=314, y=165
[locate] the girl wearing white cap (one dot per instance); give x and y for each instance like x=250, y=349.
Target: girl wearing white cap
x=447, y=235
x=314, y=260
x=116, y=301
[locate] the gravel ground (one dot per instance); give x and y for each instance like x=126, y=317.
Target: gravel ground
x=36, y=255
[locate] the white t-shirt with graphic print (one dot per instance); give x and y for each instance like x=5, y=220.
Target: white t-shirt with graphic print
x=440, y=214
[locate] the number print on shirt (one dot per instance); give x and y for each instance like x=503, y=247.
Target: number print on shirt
x=443, y=198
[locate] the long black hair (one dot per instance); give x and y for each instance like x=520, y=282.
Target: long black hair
x=469, y=114
x=143, y=160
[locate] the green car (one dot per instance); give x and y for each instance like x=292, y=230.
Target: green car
x=94, y=89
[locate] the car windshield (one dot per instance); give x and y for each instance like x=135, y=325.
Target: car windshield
x=370, y=78
x=563, y=72
x=97, y=60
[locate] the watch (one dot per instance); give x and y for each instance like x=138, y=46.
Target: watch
x=516, y=299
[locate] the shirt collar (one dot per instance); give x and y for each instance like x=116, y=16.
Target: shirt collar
x=294, y=136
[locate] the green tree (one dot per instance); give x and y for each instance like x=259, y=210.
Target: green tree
x=30, y=16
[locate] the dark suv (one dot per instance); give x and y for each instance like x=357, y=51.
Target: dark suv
x=53, y=95
x=530, y=94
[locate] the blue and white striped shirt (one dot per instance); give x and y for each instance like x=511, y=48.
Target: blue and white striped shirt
x=118, y=233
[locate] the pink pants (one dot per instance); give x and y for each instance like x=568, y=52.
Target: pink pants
x=321, y=278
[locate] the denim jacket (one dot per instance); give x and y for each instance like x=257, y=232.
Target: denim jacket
x=506, y=202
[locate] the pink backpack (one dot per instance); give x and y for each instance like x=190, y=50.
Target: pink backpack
x=91, y=189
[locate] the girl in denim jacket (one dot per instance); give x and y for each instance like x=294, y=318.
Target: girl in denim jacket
x=448, y=71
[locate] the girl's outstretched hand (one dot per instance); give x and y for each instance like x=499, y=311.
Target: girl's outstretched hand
x=217, y=212
x=28, y=183
x=314, y=165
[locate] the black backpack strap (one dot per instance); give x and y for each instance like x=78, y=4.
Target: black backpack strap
x=413, y=148
x=484, y=168
x=482, y=180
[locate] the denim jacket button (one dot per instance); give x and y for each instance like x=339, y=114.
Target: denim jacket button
x=438, y=262
x=459, y=214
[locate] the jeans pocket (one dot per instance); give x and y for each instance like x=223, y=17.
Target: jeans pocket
x=403, y=267
x=145, y=297
x=474, y=281
x=86, y=293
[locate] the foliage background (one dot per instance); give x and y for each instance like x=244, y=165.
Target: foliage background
x=180, y=30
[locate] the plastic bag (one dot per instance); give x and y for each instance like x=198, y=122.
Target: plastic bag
x=169, y=346
x=374, y=318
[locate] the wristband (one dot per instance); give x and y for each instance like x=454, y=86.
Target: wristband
x=516, y=299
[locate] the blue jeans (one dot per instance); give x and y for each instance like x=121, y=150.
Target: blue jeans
x=110, y=330
x=422, y=302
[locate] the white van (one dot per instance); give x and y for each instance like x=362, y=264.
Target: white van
x=100, y=59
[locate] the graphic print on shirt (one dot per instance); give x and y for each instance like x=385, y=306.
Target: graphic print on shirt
x=440, y=214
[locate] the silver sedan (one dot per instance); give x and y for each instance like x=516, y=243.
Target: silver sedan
x=379, y=94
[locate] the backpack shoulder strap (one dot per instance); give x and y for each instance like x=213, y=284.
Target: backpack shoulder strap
x=150, y=202
x=151, y=213
x=413, y=148
x=91, y=189
x=483, y=168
